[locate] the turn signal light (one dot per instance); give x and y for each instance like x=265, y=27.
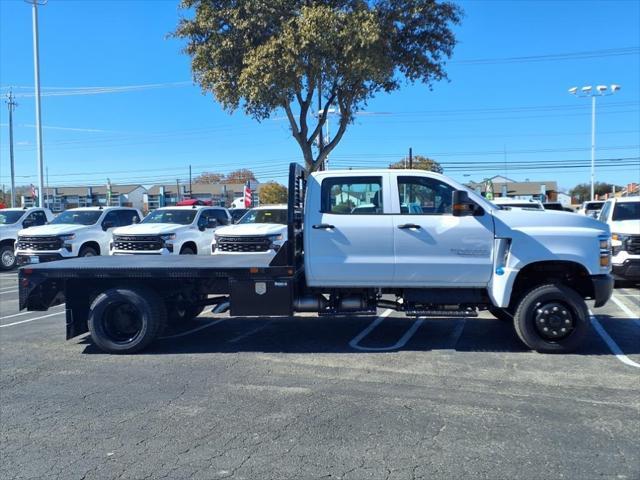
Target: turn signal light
x=604, y=260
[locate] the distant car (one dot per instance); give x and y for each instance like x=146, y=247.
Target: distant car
x=623, y=217
x=591, y=209
x=553, y=206
x=237, y=213
x=259, y=235
x=515, y=203
x=12, y=220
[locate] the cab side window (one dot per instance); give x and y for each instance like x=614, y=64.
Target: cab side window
x=37, y=218
x=220, y=216
x=112, y=218
x=205, y=216
x=424, y=196
x=352, y=196
x=127, y=217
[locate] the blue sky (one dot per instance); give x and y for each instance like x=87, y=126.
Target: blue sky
x=494, y=115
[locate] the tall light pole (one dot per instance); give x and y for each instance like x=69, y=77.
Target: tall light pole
x=585, y=92
x=36, y=72
x=11, y=103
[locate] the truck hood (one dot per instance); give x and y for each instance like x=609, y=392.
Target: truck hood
x=9, y=231
x=150, y=229
x=629, y=227
x=534, y=219
x=252, y=229
x=59, y=229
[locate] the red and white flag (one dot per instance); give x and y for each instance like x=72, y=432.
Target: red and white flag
x=33, y=191
x=247, y=195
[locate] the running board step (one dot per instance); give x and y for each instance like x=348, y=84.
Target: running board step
x=441, y=313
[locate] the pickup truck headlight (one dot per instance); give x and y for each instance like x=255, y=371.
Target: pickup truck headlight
x=617, y=242
x=66, y=238
x=168, y=236
x=275, y=238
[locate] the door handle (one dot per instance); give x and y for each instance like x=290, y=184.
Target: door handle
x=408, y=225
x=323, y=226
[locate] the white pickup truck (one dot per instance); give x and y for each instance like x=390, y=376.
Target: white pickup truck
x=623, y=217
x=77, y=232
x=424, y=245
x=172, y=231
x=12, y=220
x=258, y=235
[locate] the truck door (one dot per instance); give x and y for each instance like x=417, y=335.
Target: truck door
x=349, y=239
x=432, y=247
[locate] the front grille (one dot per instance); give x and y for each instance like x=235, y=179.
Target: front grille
x=632, y=245
x=137, y=243
x=243, y=244
x=39, y=243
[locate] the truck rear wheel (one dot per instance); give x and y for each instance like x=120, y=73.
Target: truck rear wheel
x=552, y=318
x=126, y=320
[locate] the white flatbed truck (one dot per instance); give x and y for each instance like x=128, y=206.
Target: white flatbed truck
x=410, y=240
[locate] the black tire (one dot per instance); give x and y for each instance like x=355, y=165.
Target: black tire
x=502, y=314
x=187, y=251
x=552, y=318
x=126, y=320
x=88, y=252
x=7, y=257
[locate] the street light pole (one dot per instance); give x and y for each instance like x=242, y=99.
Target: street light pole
x=589, y=91
x=36, y=71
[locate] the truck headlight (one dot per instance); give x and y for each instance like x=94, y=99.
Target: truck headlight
x=168, y=236
x=275, y=238
x=605, y=252
x=66, y=238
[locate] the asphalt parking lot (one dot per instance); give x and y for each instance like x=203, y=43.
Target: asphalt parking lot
x=351, y=398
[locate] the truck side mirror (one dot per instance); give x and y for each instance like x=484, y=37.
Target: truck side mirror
x=29, y=222
x=212, y=223
x=461, y=205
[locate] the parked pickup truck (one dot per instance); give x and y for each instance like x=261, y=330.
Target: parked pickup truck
x=77, y=232
x=259, y=234
x=458, y=256
x=171, y=231
x=623, y=217
x=12, y=220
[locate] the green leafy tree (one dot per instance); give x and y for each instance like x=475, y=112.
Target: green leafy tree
x=266, y=56
x=273, y=192
x=419, y=163
x=582, y=191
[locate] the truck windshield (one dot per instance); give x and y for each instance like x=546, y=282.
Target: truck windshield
x=626, y=211
x=180, y=217
x=78, y=217
x=9, y=217
x=593, y=205
x=265, y=216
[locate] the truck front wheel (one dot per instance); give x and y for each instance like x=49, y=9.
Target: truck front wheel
x=126, y=320
x=552, y=318
x=8, y=257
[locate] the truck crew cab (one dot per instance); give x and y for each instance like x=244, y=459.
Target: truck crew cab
x=77, y=232
x=186, y=230
x=12, y=220
x=422, y=244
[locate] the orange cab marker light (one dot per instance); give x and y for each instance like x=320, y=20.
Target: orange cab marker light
x=253, y=270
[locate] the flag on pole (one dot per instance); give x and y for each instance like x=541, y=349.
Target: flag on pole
x=247, y=195
x=33, y=192
x=108, y=192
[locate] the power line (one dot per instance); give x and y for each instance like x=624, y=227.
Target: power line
x=610, y=52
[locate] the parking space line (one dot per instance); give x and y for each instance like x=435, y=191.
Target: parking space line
x=189, y=332
x=30, y=320
x=454, y=336
x=613, y=346
x=626, y=310
x=249, y=333
x=24, y=313
x=354, y=343
x=8, y=291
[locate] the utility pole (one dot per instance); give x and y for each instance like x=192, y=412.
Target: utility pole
x=36, y=71
x=12, y=105
x=410, y=158
x=177, y=190
x=190, y=191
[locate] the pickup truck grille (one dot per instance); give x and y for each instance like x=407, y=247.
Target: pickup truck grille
x=243, y=244
x=632, y=245
x=137, y=243
x=39, y=243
